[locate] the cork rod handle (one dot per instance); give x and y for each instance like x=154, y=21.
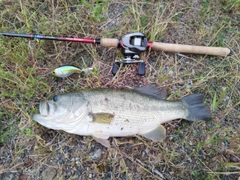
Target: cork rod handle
x=109, y=42
x=217, y=51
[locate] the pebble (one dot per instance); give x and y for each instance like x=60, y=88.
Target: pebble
x=234, y=159
x=189, y=84
x=77, y=160
x=226, y=98
x=49, y=173
x=90, y=176
x=22, y=177
x=96, y=154
x=170, y=72
x=78, y=171
x=145, y=152
x=161, y=6
x=61, y=160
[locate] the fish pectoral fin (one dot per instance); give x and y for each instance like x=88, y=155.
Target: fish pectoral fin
x=104, y=118
x=103, y=142
x=101, y=138
x=152, y=90
x=157, y=134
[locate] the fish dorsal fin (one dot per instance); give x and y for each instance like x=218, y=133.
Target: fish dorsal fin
x=157, y=134
x=103, y=118
x=152, y=90
x=101, y=138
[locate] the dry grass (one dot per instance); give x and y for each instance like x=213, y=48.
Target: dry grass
x=191, y=151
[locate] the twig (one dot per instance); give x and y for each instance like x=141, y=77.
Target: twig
x=152, y=169
x=225, y=173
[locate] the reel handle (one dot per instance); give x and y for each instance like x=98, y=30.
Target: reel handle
x=216, y=51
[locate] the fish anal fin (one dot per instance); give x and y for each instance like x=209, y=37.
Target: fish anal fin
x=103, y=118
x=152, y=90
x=157, y=134
x=101, y=138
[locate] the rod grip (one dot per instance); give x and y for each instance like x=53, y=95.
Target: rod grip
x=217, y=51
x=109, y=42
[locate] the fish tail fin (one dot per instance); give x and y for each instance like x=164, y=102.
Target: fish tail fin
x=197, y=110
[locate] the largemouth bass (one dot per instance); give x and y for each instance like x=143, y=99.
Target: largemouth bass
x=104, y=113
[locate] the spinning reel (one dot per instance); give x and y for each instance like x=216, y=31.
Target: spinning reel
x=132, y=45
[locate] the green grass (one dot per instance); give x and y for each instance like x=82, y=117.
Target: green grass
x=191, y=150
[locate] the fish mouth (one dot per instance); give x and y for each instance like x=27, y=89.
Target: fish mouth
x=46, y=108
x=46, y=112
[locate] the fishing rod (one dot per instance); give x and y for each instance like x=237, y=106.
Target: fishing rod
x=132, y=45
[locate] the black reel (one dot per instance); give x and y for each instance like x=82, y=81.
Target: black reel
x=132, y=45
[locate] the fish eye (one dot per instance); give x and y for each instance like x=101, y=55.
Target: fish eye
x=55, y=98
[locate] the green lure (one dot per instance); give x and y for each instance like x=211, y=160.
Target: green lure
x=66, y=71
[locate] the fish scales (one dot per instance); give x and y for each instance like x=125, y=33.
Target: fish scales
x=126, y=104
